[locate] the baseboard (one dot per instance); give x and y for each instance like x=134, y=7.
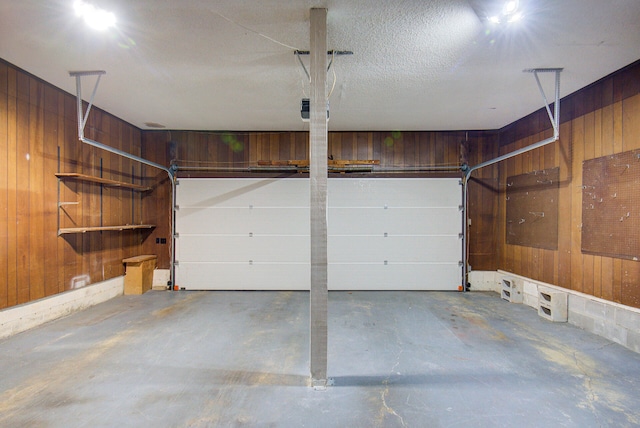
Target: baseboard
x=23, y=317
x=484, y=281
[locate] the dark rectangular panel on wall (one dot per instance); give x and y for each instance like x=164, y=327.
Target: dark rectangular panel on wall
x=610, y=205
x=532, y=209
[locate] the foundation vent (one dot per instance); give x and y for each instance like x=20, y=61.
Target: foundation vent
x=552, y=305
x=511, y=290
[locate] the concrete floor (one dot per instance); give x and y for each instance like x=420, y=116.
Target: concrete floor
x=415, y=359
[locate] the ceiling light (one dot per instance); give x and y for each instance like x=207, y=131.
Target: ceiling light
x=96, y=18
x=510, y=13
x=510, y=7
x=515, y=17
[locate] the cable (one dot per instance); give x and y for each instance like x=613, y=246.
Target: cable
x=302, y=78
x=333, y=70
x=254, y=31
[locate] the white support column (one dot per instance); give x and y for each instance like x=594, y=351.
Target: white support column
x=318, y=146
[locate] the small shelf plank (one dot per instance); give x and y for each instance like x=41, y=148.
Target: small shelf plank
x=68, y=230
x=105, y=181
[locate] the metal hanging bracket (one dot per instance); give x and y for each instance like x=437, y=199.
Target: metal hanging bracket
x=333, y=54
x=554, y=118
x=83, y=116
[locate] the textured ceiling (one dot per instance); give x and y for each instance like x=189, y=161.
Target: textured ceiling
x=229, y=64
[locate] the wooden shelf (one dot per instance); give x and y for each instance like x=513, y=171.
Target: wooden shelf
x=69, y=230
x=105, y=181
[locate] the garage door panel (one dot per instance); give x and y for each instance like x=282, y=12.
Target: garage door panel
x=440, y=249
x=241, y=221
x=242, y=192
x=234, y=248
x=359, y=276
x=254, y=234
x=241, y=276
x=394, y=221
x=394, y=192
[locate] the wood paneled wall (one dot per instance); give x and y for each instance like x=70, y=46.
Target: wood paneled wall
x=599, y=120
x=483, y=203
x=39, y=137
x=393, y=149
x=242, y=149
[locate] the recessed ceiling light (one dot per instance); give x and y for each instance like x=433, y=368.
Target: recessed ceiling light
x=94, y=17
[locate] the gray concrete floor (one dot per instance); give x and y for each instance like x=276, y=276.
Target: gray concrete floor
x=414, y=359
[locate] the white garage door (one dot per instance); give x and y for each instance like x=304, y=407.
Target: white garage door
x=384, y=234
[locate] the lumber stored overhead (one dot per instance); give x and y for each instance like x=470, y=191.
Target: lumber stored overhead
x=302, y=165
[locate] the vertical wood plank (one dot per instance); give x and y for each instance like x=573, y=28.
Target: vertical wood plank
x=335, y=145
x=22, y=185
x=597, y=277
x=606, y=274
x=60, y=165
x=577, y=145
x=36, y=190
x=617, y=127
x=565, y=203
x=50, y=144
x=616, y=284
x=12, y=193
x=362, y=145
x=4, y=147
x=274, y=147
x=292, y=145
x=631, y=123
x=588, y=260
x=253, y=150
x=70, y=214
